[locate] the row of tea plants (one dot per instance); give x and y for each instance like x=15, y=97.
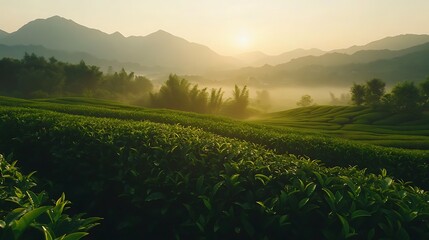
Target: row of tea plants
x=160, y=181
x=25, y=214
x=407, y=165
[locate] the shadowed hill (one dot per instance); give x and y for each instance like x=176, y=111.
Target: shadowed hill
x=3, y=34
x=338, y=69
x=361, y=124
x=257, y=59
x=18, y=51
x=391, y=43
x=159, y=49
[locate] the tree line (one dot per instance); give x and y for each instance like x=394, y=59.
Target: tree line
x=404, y=97
x=37, y=77
x=178, y=93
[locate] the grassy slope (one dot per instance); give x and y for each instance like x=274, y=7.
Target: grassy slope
x=403, y=164
x=358, y=123
x=287, y=185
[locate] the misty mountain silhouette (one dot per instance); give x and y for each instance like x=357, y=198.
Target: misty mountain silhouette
x=18, y=51
x=337, y=56
x=159, y=49
x=257, y=59
x=3, y=34
x=390, y=43
x=339, y=69
x=163, y=52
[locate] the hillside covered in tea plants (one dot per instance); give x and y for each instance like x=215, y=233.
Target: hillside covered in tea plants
x=363, y=124
x=162, y=174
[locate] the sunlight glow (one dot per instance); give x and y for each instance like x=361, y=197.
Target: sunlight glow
x=243, y=41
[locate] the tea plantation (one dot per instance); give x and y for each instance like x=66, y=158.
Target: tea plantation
x=159, y=174
x=363, y=124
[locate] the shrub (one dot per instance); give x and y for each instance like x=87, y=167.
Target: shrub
x=25, y=214
x=159, y=181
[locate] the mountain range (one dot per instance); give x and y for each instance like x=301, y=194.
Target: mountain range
x=393, y=59
x=257, y=59
x=339, y=69
x=159, y=49
x=3, y=34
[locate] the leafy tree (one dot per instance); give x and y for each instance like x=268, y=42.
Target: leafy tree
x=9, y=69
x=358, y=94
x=241, y=97
x=81, y=77
x=198, y=99
x=424, y=91
x=125, y=84
x=34, y=76
x=173, y=94
x=406, y=97
x=374, y=91
x=178, y=94
x=305, y=101
x=38, y=75
x=237, y=107
x=215, y=101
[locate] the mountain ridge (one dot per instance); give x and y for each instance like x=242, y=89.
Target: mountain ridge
x=397, y=42
x=258, y=58
x=339, y=69
x=3, y=33
x=169, y=53
x=159, y=49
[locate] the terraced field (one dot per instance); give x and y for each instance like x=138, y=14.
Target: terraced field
x=161, y=174
x=360, y=124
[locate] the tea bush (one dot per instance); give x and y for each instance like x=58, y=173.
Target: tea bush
x=25, y=214
x=402, y=164
x=158, y=181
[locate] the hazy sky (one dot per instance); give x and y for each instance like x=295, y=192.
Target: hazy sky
x=235, y=26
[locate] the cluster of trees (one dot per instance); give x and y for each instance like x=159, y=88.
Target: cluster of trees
x=177, y=93
x=305, y=101
x=404, y=97
x=35, y=76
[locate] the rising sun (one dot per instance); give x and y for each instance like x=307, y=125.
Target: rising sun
x=243, y=40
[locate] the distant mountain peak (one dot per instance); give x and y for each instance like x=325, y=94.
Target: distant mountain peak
x=57, y=19
x=117, y=34
x=161, y=32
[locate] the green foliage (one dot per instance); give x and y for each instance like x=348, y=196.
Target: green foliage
x=186, y=183
x=424, y=91
x=178, y=94
x=80, y=77
x=215, y=102
x=363, y=124
x=406, y=97
x=237, y=107
x=126, y=84
x=25, y=214
x=374, y=91
x=330, y=150
x=35, y=77
x=358, y=94
x=305, y=101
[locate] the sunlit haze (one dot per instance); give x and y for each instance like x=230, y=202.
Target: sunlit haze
x=231, y=27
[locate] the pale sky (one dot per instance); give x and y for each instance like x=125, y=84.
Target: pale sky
x=234, y=26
